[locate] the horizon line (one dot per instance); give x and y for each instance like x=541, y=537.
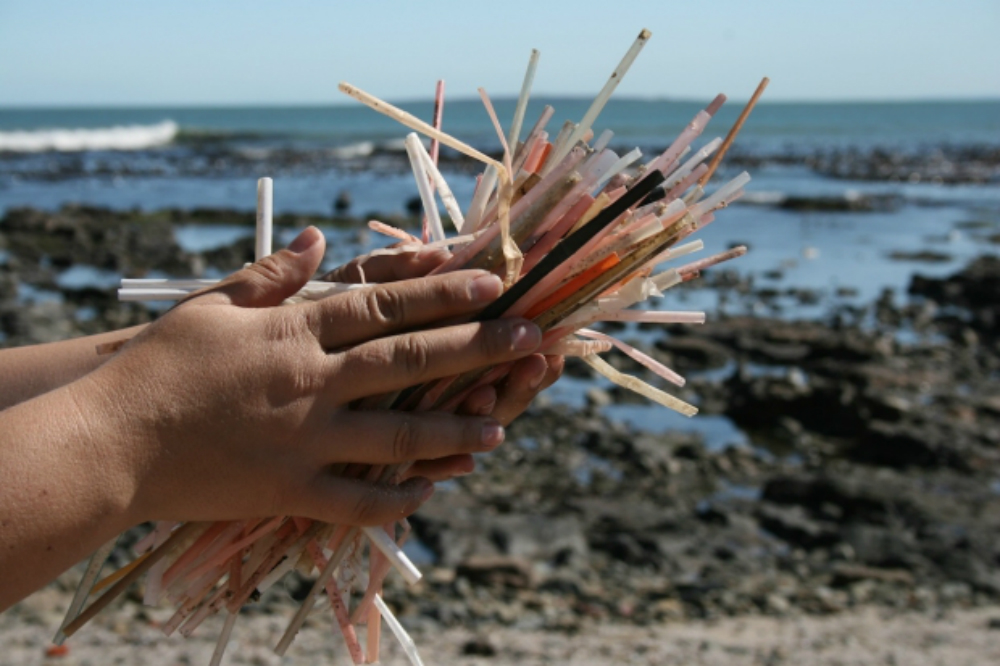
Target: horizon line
x=83, y=106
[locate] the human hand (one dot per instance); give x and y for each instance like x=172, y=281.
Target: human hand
x=505, y=402
x=226, y=408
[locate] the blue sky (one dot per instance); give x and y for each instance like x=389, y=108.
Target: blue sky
x=114, y=52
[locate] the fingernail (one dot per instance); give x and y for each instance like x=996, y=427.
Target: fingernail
x=305, y=240
x=526, y=337
x=536, y=381
x=427, y=492
x=487, y=409
x=486, y=289
x=492, y=435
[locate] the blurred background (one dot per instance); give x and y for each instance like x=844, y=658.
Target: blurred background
x=843, y=476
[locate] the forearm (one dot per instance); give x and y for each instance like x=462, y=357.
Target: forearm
x=64, y=488
x=27, y=372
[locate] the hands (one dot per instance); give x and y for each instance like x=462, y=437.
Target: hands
x=236, y=411
x=227, y=408
x=526, y=379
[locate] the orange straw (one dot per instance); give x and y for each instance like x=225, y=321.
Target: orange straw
x=574, y=285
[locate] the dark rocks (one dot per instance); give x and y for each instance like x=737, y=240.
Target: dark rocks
x=497, y=571
x=846, y=204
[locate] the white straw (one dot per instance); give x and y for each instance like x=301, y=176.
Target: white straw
x=411, y=574
x=655, y=316
x=603, y=140
x=685, y=169
x=522, y=101
x=172, y=290
x=623, y=163
x=220, y=646
x=265, y=218
x=413, y=149
x=602, y=97
x=409, y=647
x=447, y=197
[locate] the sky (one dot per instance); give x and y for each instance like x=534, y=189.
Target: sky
x=218, y=52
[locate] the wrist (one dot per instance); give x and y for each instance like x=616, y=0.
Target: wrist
x=109, y=451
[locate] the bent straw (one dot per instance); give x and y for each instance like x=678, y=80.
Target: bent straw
x=602, y=97
x=714, y=164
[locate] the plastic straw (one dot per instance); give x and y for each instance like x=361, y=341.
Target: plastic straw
x=522, y=100
x=734, y=131
x=602, y=97
x=94, y=567
x=424, y=186
x=409, y=647
x=411, y=574
x=265, y=218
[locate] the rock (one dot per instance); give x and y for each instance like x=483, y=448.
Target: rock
x=512, y=572
x=847, y=574
x=480, y=646
x=795, y=526
x=694, y=353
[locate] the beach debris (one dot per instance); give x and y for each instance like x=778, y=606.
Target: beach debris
x=576, y=231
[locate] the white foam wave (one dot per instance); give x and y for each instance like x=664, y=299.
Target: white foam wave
x=122, y=137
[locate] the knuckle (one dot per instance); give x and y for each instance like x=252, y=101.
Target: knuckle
x=386, y=306
x=366, y=507
x=414, y=354
x=404, y=441
x=269, y=269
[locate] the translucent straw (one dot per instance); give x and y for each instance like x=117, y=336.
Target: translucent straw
x=411, y=574
x=409, y=647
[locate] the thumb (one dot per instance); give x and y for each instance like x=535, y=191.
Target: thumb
x=274, y=278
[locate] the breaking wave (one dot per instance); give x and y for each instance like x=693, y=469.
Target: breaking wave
x=122, y=137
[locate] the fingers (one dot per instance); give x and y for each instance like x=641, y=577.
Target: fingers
x=398, y=362
x=526, y=380
x=480, y=402
x=388, y=437
x=274, y=278
x=381, y=310
x=390, y=268
x=344, y=501
x=442, y=469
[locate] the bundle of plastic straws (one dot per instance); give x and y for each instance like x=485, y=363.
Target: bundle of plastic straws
x=576, y=231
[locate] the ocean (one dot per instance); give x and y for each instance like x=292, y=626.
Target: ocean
x=932, y=164
x=847, y=201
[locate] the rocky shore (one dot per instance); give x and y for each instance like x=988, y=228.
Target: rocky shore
x=869, y=477
x=941, y=164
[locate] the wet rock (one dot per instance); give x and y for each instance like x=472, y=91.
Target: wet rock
x=848, y=203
